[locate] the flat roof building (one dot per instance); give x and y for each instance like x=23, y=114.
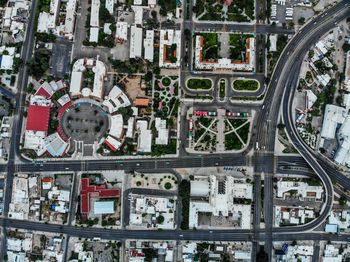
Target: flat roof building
x=70, y=18
x=333, y=116
x=93, y=38
x=94, y=14
x=162, y=131
x=148, y=44
x=216, y=196
x=94, y=191
x=110, y=6
x=104, y=207
x=135, y=42
x=98, y=68
x=144, y=143
x=168, y=39
x=122, y=32
x=138, y=10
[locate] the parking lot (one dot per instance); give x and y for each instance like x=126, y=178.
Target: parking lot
x=61, y=55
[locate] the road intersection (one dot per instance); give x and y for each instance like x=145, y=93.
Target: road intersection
x=279, y=95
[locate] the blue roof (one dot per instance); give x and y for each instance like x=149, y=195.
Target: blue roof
x=104, y=207
x=331, y=228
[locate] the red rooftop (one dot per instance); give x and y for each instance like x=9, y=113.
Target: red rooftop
x=94, y=191
x=38, y=118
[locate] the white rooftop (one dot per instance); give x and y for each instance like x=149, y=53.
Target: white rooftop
x=135, y=42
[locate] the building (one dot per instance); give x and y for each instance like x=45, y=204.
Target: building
x=6, y=58
x=216, y=195
x=347, y=72
x=144, y=211
x=333, y=116
x=170, y=48
x=37, y=124
x=98, y=68
x=121, y=32
x=55, y=145
x=112, y=143
x=94, y=14
x=47, y=21
x=70, y=18
x=331, y=254
x=299, y=253
x=15, y=17
x=135, y=42
x=110, y=6
x=144, y=142
x=138, y=11
x=93, y=36
x=310, y=99
x=116, y=99
x=19, y=206
x=104, y=207
x=115, y=132
x=226, y=63
x=89, y=192
x=339, y=221
x=162, y=131
x=303, y=190
x=292, y=216
x=141, y=102
x=148, y=43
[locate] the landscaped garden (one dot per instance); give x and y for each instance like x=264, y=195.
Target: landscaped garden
x=237, y=133
x=199, y=84
x=245, y=85
x=222, y=89
x=154, y=181
x=171, y=53
x=211, y=134
x=237, y=11
x=238, y=46
x=210, y=46
x=165, y=101
x=308, y=77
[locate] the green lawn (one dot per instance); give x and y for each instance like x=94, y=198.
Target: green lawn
x=243, y=132
x=246, y=85
x=232, y=142
x=197, y=83
x=222, y=88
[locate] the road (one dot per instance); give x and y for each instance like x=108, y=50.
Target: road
x=282, y=85
x=202, y=235
x=280, y=91
x=27, y=50
x=245, y=28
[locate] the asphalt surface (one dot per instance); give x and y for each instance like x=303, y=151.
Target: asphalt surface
x=26, y=54
x=282, y=84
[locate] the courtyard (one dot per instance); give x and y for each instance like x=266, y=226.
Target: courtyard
x=85, y=122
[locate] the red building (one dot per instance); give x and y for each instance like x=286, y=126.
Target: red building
x=94, y=191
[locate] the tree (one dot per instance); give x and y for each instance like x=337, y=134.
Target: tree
x=187, y=33
x=281, y=126
x=342, y=200
x=156, y=70
x=160, y=219
x=262, y=256
x=39, y=64
x=105, y=16
x=311, y=54
x=301, y=20
x=184, y=193
x=148, y=76
x=150, y=253
x=45, y=37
